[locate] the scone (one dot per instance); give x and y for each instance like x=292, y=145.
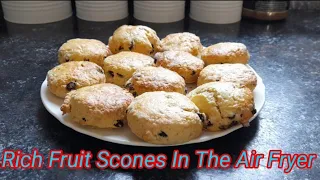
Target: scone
x=237, y=73
x=164, y=118
x=120, y=67
x=139, y=39
x=83, y=50
x=225, y=52
x=100, y=105
x=185, y=64
x=225, y=104
x=73, y=75
x=149, y=79
x=185, y=41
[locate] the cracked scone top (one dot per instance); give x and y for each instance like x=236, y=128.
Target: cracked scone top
x=120, y=67
x=237, y=73
x=185, y=64
x=101, y=105
x=73, y=75
x=148, y=79
x=83, y=50
x=164, y=118
x=225, y=104
x=141, y=39
x=185, y=41
x=225, y=52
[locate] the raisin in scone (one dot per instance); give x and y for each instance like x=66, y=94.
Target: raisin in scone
x=237, y=73
x=185, y=41
x=164, y=118
x=150, y=79
x=73, y=75
x=185, y=64
x=120, y=67
x=141, y=39
x=101, y=105
x=225, y=52
x=225, y=104
x=83, y=50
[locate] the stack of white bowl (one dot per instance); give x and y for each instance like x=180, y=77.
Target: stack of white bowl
x=36, y=12
x=159, y=11
x=216, y=12
x=102, y=10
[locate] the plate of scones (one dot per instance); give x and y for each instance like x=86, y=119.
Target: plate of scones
x=141, y=90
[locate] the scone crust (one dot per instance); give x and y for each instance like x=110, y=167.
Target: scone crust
x=225, y=52
x=185, y=64
x=101, y=105
x=237, y=73
x=141, y=39
x=83, y=50
x=185, y=41
x=164, y=118
x=120, y=67
x=73, y=75
x=150, y=79
x=225, y=104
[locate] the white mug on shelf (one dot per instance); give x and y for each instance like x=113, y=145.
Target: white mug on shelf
x=102, y=10
x=36, y=12
x=216, y=12
x=159, y=11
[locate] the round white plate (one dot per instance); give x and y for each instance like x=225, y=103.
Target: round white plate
x=124, y=135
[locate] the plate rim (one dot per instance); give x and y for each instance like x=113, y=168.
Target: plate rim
x=87, y=132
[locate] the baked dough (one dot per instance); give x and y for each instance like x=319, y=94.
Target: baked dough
x=225, y=52
x=141, y=39
x=150, y=79
x=225, y=104
x=185, y=41
x=73, y=75
x=237, y=73
x=83, y=50
x=185, y=64
x=120, y=67
x=101, y=105
x=164, y=118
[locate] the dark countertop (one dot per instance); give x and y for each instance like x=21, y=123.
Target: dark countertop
x=285, y=54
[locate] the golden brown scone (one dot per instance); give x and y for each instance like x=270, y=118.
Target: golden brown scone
x=185, y=64
x=141, y=39
x=120, y=67
x=185, y=41
x=150, y=79
x=225, y=104
x=73, y=75
x=164, y=118
x=237, y=73
x=101, y=105
x=83, y=50
x=225, y=52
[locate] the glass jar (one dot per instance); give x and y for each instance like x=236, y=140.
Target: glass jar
x=266, y=10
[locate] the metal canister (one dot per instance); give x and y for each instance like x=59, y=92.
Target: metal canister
x=266, y=10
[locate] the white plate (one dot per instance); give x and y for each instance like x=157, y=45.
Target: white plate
x=124, y=135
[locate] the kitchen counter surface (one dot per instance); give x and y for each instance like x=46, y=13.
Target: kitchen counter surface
x=285, y=54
